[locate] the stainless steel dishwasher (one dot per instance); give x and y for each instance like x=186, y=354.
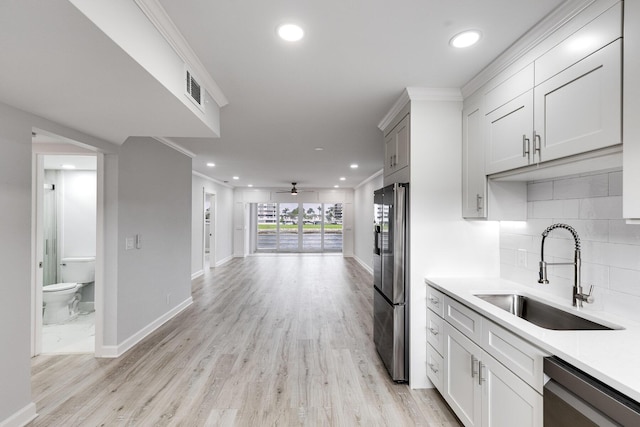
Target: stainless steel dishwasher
x=574, y=398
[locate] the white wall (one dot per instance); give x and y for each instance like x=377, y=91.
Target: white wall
x=77, y=233
x=592, y=204
x=15, y=264
x=441, y=242
x=364, y=217
x=223, y=222
x=154, y=200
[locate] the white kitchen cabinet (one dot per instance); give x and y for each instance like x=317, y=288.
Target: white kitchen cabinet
x=508, y=134
x=461, y=389
x=474, y=178
x=566, y=102
x=483, y=392
x=396, y=147
x=579, y=109
x=506, y=399
x=631, y=112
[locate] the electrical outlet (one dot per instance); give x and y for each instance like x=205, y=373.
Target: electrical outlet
x=521, y=258
x=128, y=243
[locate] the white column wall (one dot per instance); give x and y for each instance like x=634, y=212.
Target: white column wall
x=442, y=242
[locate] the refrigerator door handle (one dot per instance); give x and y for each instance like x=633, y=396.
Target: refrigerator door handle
x=376, y=240
x=399, y=243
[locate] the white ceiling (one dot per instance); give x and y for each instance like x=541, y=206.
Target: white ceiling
x=330, y=91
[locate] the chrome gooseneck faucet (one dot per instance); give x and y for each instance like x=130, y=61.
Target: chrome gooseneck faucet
x=578, y=295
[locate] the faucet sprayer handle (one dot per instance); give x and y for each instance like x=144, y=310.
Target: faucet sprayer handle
x=588, y=298
x=543, y=273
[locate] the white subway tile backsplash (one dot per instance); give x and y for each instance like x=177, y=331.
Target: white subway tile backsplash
x=610, y=247
x=615, y=183
x=621, y=232
x=625, y=281
x=601, y=208
x=539, y=191
x=548, y=209
x=581, y=187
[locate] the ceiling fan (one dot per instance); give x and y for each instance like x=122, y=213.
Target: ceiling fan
x=294, y=191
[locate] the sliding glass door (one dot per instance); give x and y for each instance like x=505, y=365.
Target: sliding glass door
x=299, y=227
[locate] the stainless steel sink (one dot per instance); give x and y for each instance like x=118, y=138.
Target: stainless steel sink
x=541, y=314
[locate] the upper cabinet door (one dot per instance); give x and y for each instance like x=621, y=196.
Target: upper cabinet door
x=474, y=180
x=579, y=109
x=508, y=134
x=396, y=145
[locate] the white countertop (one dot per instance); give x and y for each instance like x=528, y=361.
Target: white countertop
x=613, y=357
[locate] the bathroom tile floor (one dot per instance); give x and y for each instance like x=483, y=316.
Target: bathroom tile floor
x=74, y=336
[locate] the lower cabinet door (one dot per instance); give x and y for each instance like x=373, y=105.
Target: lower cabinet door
x=506, y=399
x=461, y=384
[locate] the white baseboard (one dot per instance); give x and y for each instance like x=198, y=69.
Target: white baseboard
x=362, y=263
x=224, y=261
x=197, y=274
x=129, y=343
x=22, y=417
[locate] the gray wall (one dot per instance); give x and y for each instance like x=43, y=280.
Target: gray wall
x=154, y=200
x=15, y=261
x=363, y=224
x=224, y=221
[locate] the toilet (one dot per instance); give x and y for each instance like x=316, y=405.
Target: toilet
x=61, y=300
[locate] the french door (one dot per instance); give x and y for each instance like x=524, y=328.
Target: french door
x=299, y=227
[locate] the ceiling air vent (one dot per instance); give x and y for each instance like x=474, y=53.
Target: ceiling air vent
x=194, y=90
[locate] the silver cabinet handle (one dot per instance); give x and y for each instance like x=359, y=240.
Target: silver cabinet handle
x=434, y=300
x=433, y=368
x=537, y=145
x=526, y=152
x=433, y=331
x=479, y=202
x=481, y=378
x=474, y=371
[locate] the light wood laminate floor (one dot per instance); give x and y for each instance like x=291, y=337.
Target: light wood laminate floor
x=270, y=340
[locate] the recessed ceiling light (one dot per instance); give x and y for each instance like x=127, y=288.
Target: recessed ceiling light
x=354, y=166
x=236, y=177
x=249, y=185
x=336, y=186
x=211, y=164
x=290, y=32
x=465, y=39
x=68, y=167
x=342, y=178
x=319, y=149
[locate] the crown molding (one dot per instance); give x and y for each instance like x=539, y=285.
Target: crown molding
x=175, y=146
x=532, y=38
x=371, y=178
x=208, y=178
x=419, y=94
x=158, y=16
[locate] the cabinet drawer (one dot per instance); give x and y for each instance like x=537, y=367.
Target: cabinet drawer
x=435, y=301
x=435, y=331
x=435, y=367
x=521, y=357
x=463, y=319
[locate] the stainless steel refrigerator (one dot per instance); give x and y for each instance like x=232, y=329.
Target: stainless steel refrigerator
x=390, y=271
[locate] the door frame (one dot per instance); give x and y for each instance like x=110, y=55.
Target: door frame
x=211, y=198
x=37, y=233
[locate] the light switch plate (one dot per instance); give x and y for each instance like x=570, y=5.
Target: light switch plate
x=128, y=243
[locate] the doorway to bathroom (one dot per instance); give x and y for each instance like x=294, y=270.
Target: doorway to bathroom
x=66, y=214
x=209, y=236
